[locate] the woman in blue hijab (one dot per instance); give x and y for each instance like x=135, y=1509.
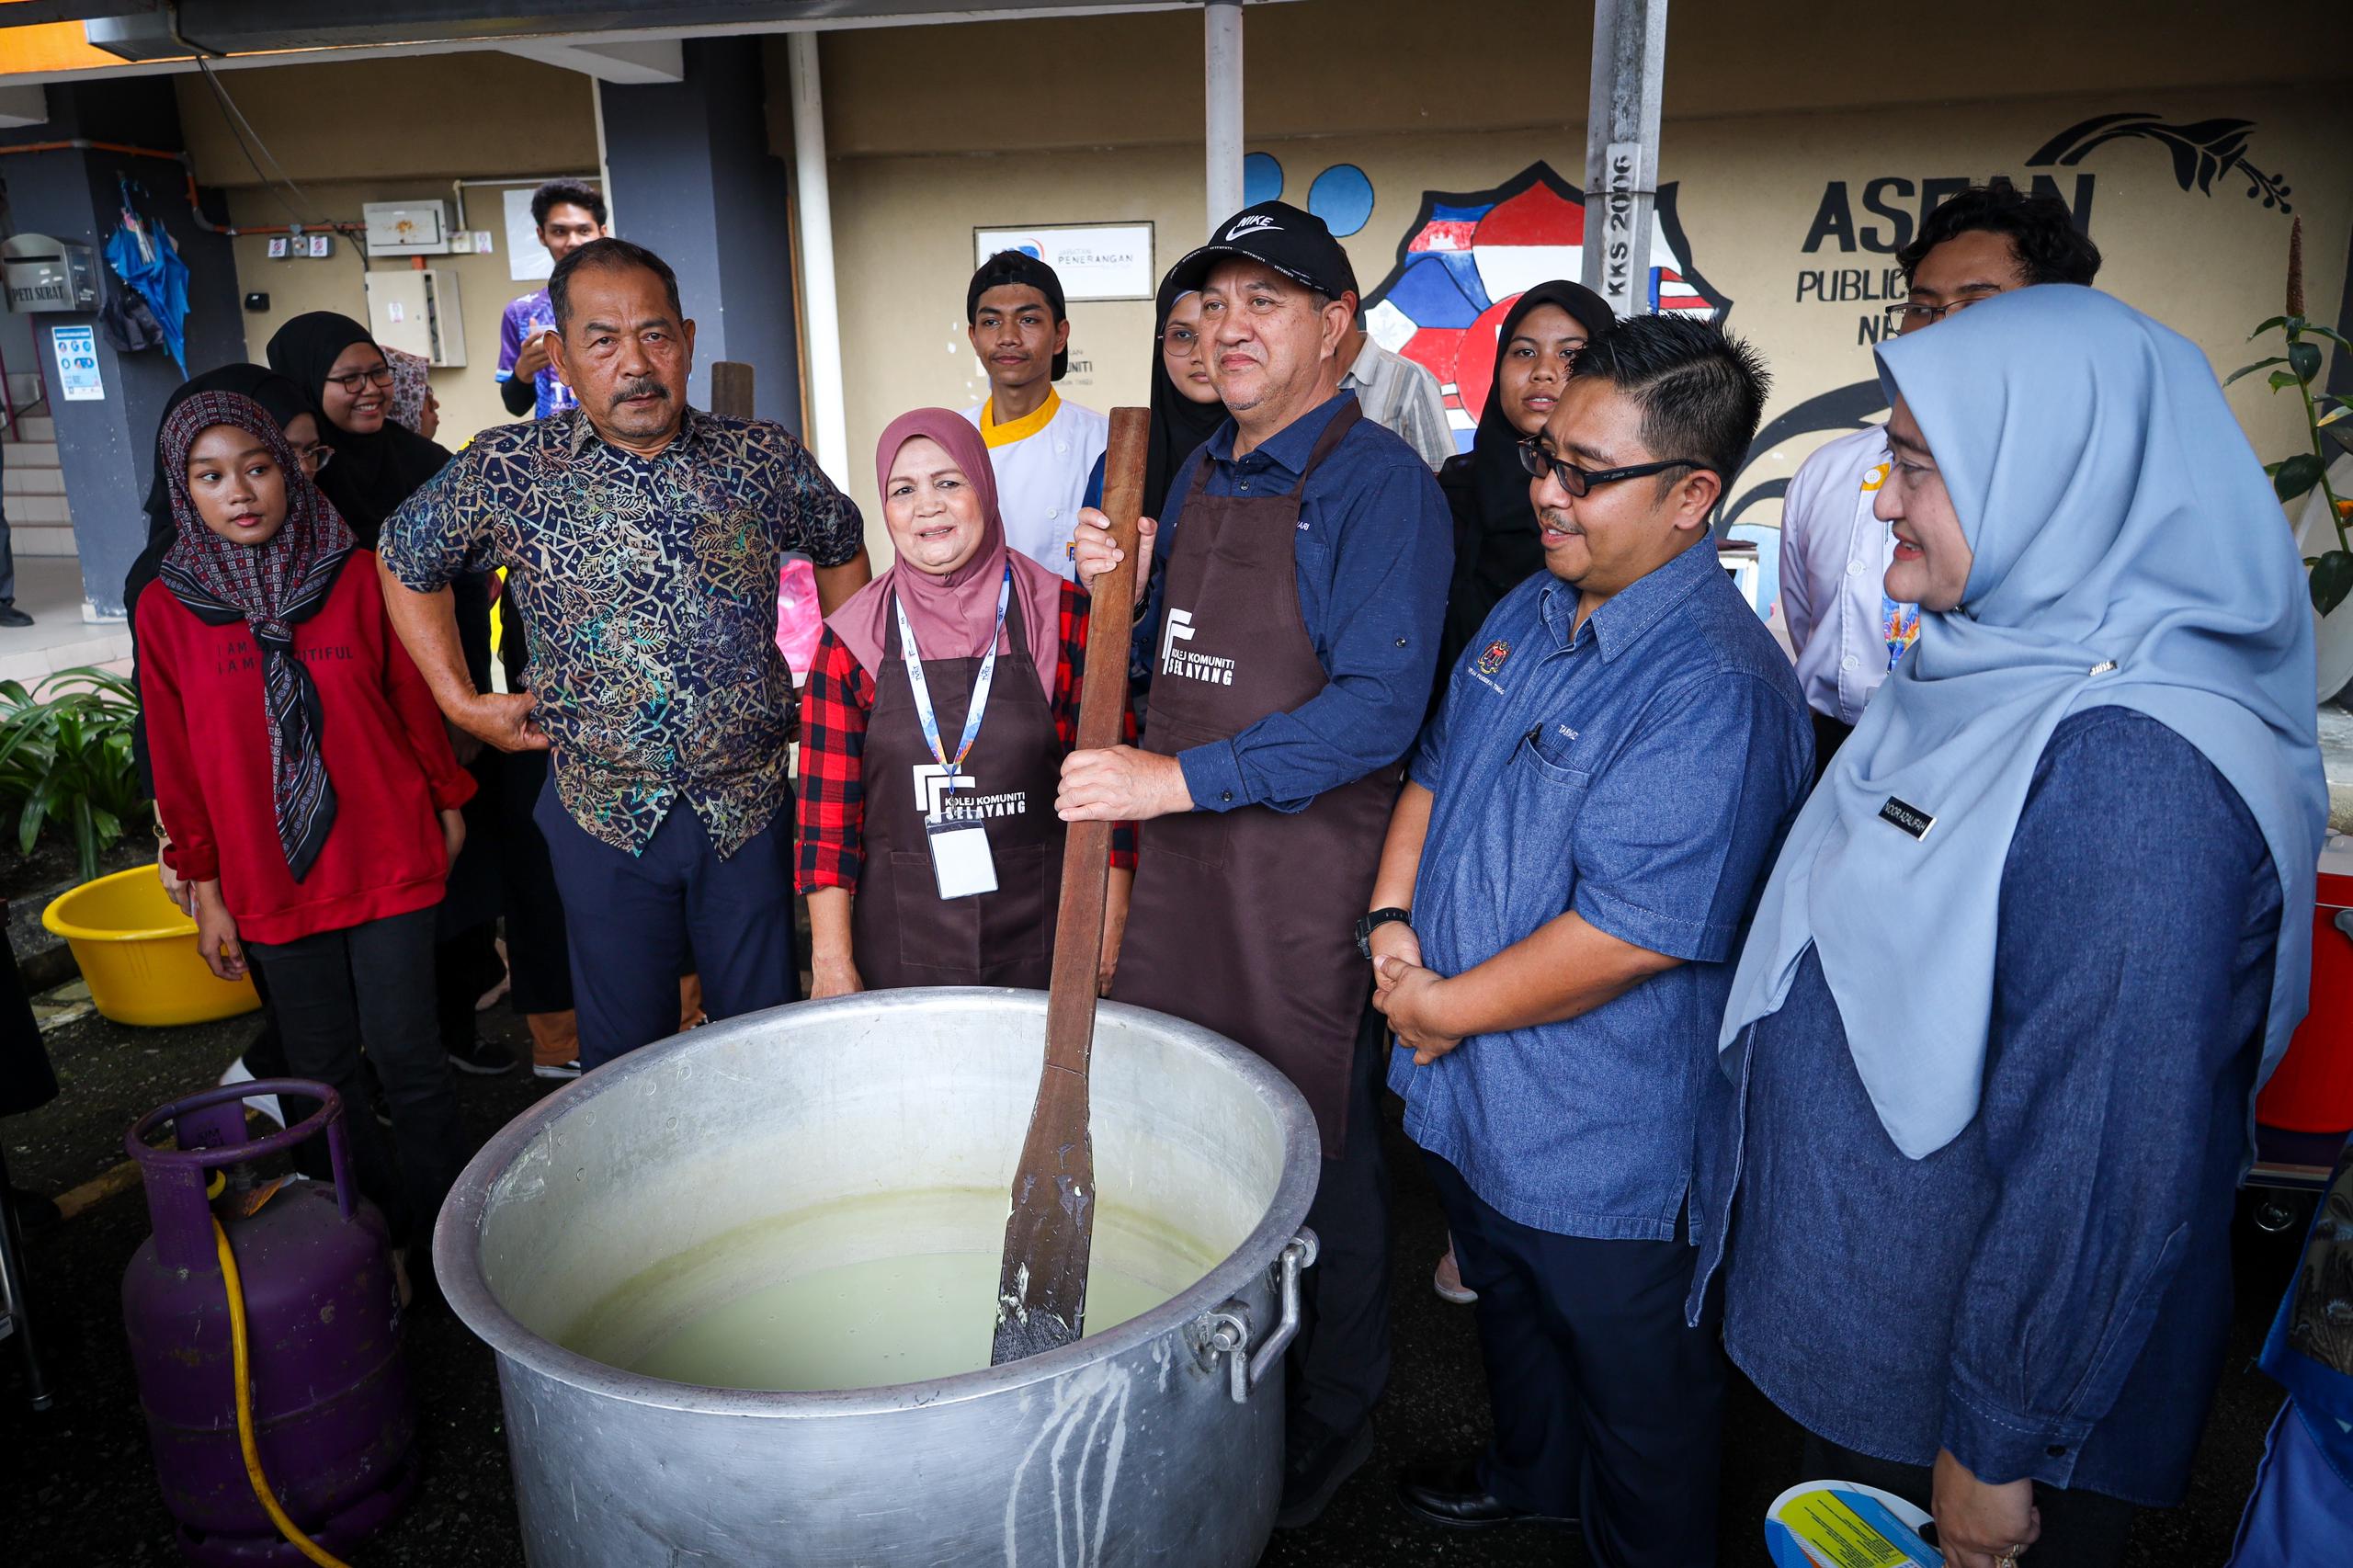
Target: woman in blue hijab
x=1994, y=1037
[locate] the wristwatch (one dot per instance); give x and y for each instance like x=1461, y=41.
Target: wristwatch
x=1368, y=923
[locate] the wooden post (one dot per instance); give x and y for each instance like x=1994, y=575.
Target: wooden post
x=730, y=389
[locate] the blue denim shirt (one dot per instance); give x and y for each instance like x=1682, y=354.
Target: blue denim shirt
x=1375, y=550
x=1640, y=772
x=2048, y=1295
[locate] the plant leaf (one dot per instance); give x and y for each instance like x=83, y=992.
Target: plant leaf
x=2297, y=475
x=2250, y=370
x=2304, y=359
x=2332, y=580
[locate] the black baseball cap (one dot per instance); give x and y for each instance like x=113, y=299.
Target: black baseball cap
x=1296, y=243
x=1019, y=268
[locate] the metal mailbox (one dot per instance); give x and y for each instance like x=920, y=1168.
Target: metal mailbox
x=45, y=274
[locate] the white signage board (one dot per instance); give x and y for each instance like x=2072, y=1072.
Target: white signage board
x=1095, y=261
x=528, y=261
x=77, y=363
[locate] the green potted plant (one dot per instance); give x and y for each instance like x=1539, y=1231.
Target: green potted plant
x=2328, y=424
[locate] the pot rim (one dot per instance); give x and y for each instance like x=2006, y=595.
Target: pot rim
x=457, y=1233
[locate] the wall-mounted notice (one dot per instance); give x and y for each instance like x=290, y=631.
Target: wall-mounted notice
x=1095, y=261
x=77, y=364
x=528, y=261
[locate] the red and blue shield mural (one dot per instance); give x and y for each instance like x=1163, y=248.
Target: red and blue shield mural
x=1467, y=256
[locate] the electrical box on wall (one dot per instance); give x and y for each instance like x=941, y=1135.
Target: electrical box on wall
x=407, y=228
x=418, y=312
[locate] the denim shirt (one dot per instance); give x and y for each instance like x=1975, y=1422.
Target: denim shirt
x=2049, y=1294
x=1374, y=548
x=1640, y=771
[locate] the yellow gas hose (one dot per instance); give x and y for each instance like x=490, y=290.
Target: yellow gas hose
x=242, y=1363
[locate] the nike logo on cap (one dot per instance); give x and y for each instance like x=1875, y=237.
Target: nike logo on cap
x=1251, y=225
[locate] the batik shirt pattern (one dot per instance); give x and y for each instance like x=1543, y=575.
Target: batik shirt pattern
x=647, y=591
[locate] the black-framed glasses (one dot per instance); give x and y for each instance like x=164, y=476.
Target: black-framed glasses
x=313, y=457
x=1910, y=316
x=1579, y=481
x=381, y=375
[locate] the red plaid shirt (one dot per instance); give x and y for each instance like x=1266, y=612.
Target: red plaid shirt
x=834, y=710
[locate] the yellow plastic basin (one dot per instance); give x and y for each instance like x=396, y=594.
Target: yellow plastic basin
x=138, y=953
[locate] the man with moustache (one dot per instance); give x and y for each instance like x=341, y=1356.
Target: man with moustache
x=1291, y=622
x=642, y=541
x=1567, y=870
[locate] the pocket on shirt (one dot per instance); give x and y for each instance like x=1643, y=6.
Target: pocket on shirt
x=1544, y=792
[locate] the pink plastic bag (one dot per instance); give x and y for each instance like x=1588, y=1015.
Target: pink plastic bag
x=798, y=621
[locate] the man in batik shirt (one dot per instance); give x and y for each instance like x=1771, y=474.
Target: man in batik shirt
x=642, y=541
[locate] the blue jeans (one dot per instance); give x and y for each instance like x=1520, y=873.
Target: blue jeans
x=631, y=918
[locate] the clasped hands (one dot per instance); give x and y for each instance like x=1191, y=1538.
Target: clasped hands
x=1414, y=999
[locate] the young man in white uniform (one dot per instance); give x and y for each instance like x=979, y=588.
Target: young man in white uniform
x=1043, y=450
x=1848, y=634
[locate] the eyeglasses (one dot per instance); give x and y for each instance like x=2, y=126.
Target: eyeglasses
x=1579, y=481
x=1180, y=342
x=381, y=375
x=313, y=457
x=1911, y=318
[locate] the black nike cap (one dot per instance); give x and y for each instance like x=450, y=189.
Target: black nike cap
x=1296, y=243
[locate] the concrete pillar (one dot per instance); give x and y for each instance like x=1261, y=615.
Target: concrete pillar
x=107, y=446
x=690, y=177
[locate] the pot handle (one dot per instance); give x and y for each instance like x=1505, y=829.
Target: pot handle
x=1229, y=1326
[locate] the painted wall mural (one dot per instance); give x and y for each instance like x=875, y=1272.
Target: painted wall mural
x=1468, y=255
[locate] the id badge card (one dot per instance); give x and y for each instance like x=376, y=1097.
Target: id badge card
x=960, y=860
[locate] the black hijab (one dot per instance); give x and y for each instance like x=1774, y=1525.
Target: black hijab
x=369, y=475
x=1496, y=545
x=1178, y=423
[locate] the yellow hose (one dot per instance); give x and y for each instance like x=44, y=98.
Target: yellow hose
x=242, y=1362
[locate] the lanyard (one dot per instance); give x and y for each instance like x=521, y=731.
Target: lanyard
x=924, y=715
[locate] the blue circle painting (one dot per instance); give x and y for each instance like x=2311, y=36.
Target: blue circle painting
x=1342, y=197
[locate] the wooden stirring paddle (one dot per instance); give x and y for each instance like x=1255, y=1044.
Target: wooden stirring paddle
x=1041, y=1283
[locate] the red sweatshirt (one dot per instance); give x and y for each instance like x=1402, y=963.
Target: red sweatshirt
x=387, y=756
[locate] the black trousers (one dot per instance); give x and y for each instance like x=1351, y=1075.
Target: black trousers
x=1605, y=1406
x=539, y=952
x=372, y=984
x=1338, y=1366
x=1829, y=734
x=630, y=919
x=2080, y=1530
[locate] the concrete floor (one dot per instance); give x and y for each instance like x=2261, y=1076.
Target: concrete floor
x=81, y=1491
x=49, y=588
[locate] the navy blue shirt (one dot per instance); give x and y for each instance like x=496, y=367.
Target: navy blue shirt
x=1375, y=547
x=1639, y=770
x=2049, y=1294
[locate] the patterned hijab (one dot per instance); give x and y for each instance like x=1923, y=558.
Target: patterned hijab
x=954, y=616
x=410, y=387
x=270, y=587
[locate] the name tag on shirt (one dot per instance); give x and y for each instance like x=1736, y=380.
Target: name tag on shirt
x=960, y=860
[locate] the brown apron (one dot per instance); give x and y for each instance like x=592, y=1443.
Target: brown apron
x=903, y=932
x=1244, y=921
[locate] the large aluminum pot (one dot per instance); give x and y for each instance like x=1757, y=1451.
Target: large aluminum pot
x=1157, y=1441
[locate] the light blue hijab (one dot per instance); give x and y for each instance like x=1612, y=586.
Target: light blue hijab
x=2129, y=552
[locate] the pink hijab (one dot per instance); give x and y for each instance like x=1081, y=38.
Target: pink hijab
x=953, y=616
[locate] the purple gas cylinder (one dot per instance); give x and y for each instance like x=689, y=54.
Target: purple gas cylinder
x=331, y=1408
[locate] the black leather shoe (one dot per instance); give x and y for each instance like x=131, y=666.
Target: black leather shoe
x=1316, y=1460
x=1451, y=1494
x=11, y=616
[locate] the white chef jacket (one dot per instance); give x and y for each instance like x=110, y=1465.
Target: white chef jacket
x=1834, y=556
x=1042, y=464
